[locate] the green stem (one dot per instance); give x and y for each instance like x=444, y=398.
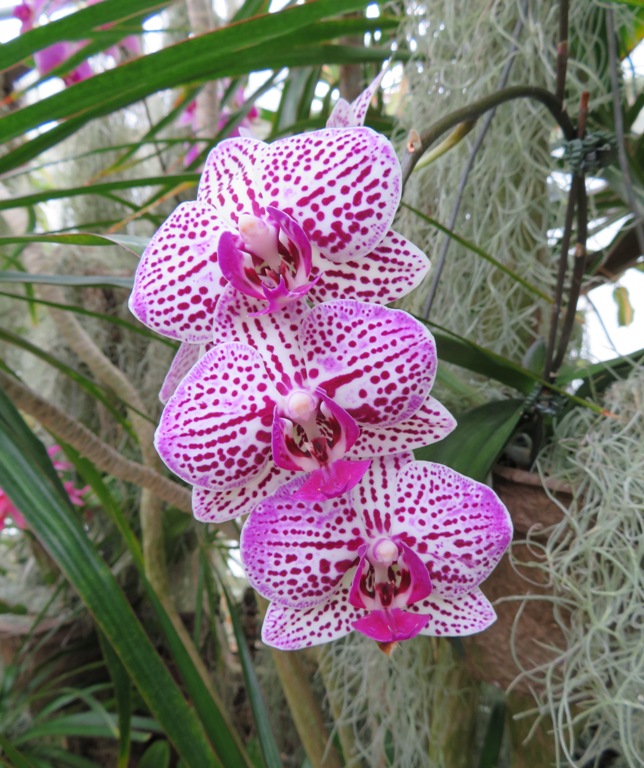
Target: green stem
x=477, y=109
x=305, y=711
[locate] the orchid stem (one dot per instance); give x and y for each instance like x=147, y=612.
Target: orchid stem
x=305, y=711
x=477, y=109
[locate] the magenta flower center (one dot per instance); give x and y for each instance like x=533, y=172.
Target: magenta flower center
x=269, y=259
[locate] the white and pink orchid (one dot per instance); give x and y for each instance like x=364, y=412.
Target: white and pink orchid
x=401, y=554
x=319, y=390
x=297, y=396
x=307, y=215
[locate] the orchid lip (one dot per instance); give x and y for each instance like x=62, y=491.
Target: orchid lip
x=270, y=259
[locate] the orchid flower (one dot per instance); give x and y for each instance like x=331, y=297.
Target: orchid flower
x=319, y=390
x=401, y=554
x=309, y=215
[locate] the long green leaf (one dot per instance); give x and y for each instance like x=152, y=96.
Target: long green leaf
x=76, y=281
x=255, y=698
x=75, y=26
x=475, y=444
x=18, y=760
x=52, y=519
x=135, y=245
x=123, y=697
x=177, y=64
x=212, y=716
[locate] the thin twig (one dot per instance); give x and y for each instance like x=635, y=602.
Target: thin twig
x=478, y=109
x=573, y=194
x=619, y=130
x=442, y=256
x=562, y=51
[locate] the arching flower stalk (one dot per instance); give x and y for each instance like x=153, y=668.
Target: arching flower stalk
x=401, y=554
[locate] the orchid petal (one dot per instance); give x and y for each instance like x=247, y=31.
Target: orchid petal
x=274, y=334
x=361, y=104
x=178, y=281
x=376, y=363
x=296, y=552
x=392, y=270
x=289, y=628
x=431, y=423
x=458, y=527
x=391, y=626
x=335, y=479
x=374, y=499
x=421, y=585
x=342, y=115
x=456, y=616
x=187, y=355
x=285, y=453
x=227, y=182
x=221, y=506
x=215, y=431
x=342, y=187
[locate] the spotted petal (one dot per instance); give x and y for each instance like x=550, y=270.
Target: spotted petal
x=215, y=431
x=431, y=423
x=376, y=363
x=456, y=616
x=292, y=628
x=227, y=181
x=220, y=506
x=458, y=527
x=392, y=270
x=187, y=355
x=178, y=281
x=275, y=334
x=342, y=187
x=296, y=552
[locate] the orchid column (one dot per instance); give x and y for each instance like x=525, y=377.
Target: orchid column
x=296, y=396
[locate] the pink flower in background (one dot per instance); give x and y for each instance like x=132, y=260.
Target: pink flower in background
x=48, y=59
x=62, y=467
x=401, y=554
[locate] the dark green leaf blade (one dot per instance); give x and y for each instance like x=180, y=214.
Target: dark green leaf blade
x=474, y=446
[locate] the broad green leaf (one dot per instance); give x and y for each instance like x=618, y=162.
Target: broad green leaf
x=491, y=749
x=74, y=281
x=135, y=245
x=253, y=691
x=466, y=354
x=49, y=514
x=157, y=755
x=75, y=26
x=480, y=436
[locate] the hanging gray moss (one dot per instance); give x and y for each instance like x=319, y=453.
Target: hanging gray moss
x=594, y=561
